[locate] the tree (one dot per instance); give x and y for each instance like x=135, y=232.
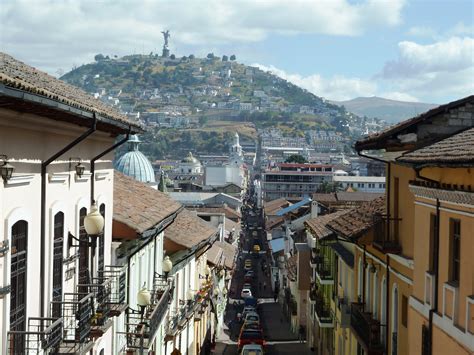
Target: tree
x=191, y=56
x=99, y=57
x=210, y=55
x=233, y=57
x=296, y=158
x=225, y=58
x=184, y=58
x=172, y=56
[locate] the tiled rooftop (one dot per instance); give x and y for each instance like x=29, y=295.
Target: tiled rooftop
x=317, y=225
x=188, y=230
x=455, y=150
x=20, y=76
x=358, y=220
x=139, y=206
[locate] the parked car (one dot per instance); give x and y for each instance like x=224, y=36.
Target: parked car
x=246, y=293
x=252, y=317
x=252, y=349
x=251, y=337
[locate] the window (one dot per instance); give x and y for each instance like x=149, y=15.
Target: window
x=18, y=283
x=58, y=263
x=433, y=233
x=455, y=252
x=404, y=310
x=83, y=251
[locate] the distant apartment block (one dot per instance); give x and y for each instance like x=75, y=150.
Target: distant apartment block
x=294, y=181
x=362, y=183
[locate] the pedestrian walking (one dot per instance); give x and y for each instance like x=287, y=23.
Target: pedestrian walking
x=301, y=334
x=264, y=285
x=275, y=296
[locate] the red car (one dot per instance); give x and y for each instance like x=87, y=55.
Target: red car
x=251, y=336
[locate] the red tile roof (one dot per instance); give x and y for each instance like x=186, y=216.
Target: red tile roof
x=23, y=78
x=138, y=205
x=317, y=225
x=357, y=220
x=453, y=151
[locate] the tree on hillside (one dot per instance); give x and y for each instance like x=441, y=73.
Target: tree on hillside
x=99, y=57
x=210, y=55
x=191, y=56
x=225, y=58
x=296, y=158
x=172, y=56
x=233, y=57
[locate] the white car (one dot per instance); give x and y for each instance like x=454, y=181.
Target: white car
x=252, y=349
x=246, y=293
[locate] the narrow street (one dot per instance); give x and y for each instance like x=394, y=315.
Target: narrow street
x=279, y=338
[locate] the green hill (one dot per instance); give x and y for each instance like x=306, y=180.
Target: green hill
x=203, y=90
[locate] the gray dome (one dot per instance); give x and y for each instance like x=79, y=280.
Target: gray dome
x=135, y=164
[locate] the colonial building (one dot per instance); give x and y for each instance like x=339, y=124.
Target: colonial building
x=57, y=290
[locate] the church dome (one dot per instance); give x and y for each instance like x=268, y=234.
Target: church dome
x=135, y=164
x=190, y=159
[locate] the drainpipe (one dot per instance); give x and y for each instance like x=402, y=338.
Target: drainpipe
x=387, y=301
x=364, y=261
x=92, y=167
x=44, y=166
x=434, y=308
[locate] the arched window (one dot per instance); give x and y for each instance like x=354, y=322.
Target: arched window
x=18, y=282
x=58, y=263
x=83, y=251
x=375, y=297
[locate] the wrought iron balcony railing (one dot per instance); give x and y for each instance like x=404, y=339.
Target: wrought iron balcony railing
x=386, y=234
x=77, y=313
x=366, y=328
x=142, y=326
x=324, y=270
x=118, y=284
x=323, y=311
x=43, y=336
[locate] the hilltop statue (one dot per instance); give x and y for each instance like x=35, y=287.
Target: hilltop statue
x=166, y=36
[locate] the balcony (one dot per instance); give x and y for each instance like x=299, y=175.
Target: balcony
x=323, y=313
x=386, y=234
x=324, y=272
x=142, y=326
x=118, y=284
x=366, y=329
x=43, y=336
x=312, y=293
x=77, y=312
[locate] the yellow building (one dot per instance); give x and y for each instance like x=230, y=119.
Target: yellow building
x=395, y=267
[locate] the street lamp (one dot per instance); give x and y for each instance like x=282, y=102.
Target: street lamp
x=94, y=222
x=167, y=265
x=143, y=300
x=6, y=169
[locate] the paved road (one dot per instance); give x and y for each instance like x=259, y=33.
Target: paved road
x=275, y=325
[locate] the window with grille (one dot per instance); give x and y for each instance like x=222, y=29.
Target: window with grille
x=58, y=263
x=455, y=253
x=18, y=283
x=83, y=251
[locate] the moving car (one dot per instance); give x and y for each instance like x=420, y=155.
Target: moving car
x=248, y=309
x=252, y=349
x=252, y=317
x=248, y=264
x=251, y=337
x=256, y=248
x=246, y=293
x=249, y=275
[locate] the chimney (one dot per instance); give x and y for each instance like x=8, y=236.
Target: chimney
x=314, y=209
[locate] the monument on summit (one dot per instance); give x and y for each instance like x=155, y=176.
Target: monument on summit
x=166, y=51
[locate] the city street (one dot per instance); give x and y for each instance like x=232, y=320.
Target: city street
x=276, y=327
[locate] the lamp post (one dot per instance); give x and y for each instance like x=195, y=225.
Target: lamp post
x=167, y=265
x=143, y=300
x=94, y=226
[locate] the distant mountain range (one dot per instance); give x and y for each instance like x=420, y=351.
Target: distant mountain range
x=391, y=111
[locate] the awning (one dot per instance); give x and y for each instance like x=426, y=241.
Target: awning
x=293, y=207
x=277, y=244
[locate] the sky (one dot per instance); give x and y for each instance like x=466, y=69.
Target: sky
x=338, y=49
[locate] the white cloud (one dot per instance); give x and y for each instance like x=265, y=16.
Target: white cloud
x=51, y=33
x=399, y=96
x=335, y=88
x=421, y=31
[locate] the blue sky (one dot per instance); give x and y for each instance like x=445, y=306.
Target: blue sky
x=338, y=49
